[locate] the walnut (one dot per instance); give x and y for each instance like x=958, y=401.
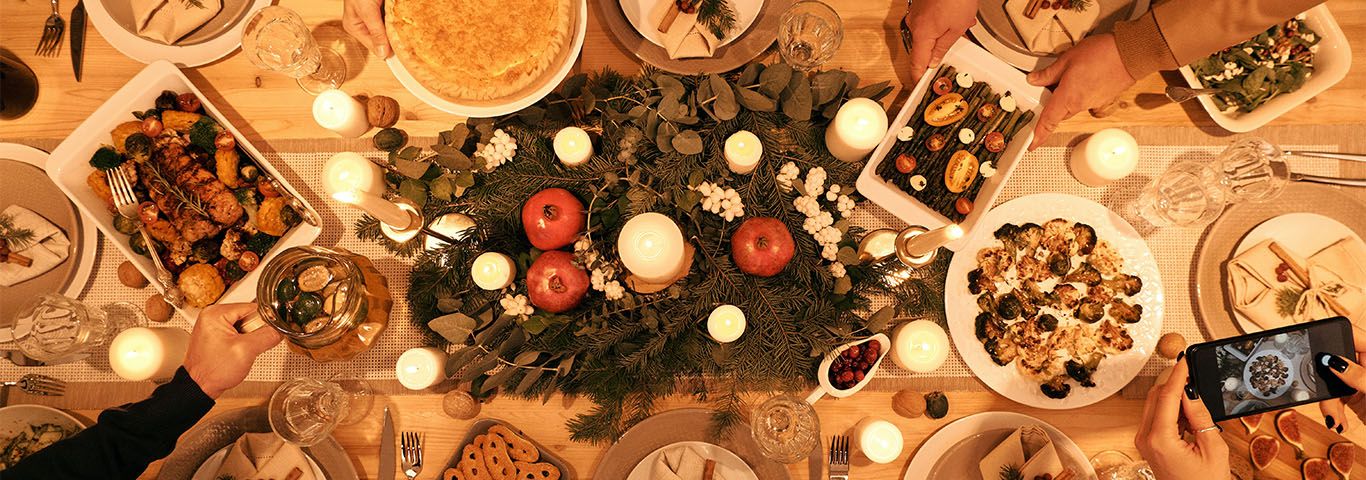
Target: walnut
x=130, y=276
x=1171, y=345
x=460, y=405
x=908, y=403
x=382, y=111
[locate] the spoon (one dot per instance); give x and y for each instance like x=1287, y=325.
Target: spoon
x=1181, y=94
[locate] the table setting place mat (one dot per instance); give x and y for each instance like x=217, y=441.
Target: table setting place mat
x=1042, y=170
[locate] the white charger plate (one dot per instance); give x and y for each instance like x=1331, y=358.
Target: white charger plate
x=69, y=165
x=1331, y=64
x=191, y=51
x=638, y=12
x=85, y=238
x=215, y=461
x=1302, y=234
x=550, y=81
x=728, y=465
x=1116, y=370
x=965, y=56
x=941, y=445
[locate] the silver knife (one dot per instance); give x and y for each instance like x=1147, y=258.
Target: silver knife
x=387, y=459
x=77, y=38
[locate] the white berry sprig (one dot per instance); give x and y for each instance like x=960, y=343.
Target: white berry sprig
x=499, y=150
x=721, y=201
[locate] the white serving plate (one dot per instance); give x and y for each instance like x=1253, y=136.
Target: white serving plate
x=728, y=465
x=639, y=13
x=1301, y=233
x=966, y=57
x=69, y=165
x=549, y=82
x=192, y=51
x=1008, y=49
x=1115, y=371
x=823, y=378
x=942, y=443
x=1331, y=63
x=86, y=238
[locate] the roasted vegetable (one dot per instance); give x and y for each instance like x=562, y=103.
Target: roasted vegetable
x=390, y=139
x=978, y=283
x=181, y=121
x=986, y=302
x=961, y=171
x=106, y=159
x=138, y=147
x=225, y=161
x=1084, y=274
x=1085, y=238
x=121, y=133
x=166, y=101
x=987, y=326
x=203, y=133
x=250, y=173
x=1065, y=297
x=936, y=405
x=1057, y=388
x=1129, y=285
x=1080, y=373
x=1090, y=312
x=1059, y=264
x=1001, y=350
x=1008, y=306
x=946, y=109
x=1047, y=322
x=270, y=218
x=205, y=251
x=138, y=245
x=261, y=243
x=202, y=285
x=125, y=225
x=1126, y=313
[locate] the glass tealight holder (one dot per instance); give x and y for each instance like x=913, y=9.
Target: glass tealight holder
x=330, y=304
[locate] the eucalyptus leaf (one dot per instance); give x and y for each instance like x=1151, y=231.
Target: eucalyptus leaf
x=449, y=304
x=827, y=86
x=868, y=91
x=485, y=363
x=670, y=86
x=688, y=142
x=850, y=80
x=573, y=85
x=496, y=328
x=531, y=115
x=878, y=321
x=409, y=153
x=413, y=190
x=843, y=285
x=797, y=99
x=411, y=168
x=464, y=179
x=497, y=379
x=527, y=358
x=774, y=79
x=455, y=327
x=442, y=188
x=455, y=160
x=755, y=101
x=751, y=73
x=566, y=366
x=528, y=380
x=664, y=139
x=672, y=109
x=847, y=256
x=461, y=358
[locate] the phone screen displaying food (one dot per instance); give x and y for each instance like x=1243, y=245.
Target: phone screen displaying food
x=1270, y=370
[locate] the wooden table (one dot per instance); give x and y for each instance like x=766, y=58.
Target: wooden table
x=270, y=106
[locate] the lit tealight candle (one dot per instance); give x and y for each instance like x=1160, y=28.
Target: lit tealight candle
x=573, y=147
x=923, y=244
x=743, y=152
x=857, y=129
x=726, y=323
x=920, y=346
x=1104, y=157
x=383, y=210
x=341, y=113
x=420, y=368
x=347, y=171
x=493, y=271
x=142, y=353
x=877, y=439
x=651, y=247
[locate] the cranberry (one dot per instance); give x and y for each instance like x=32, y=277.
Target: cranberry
x=858, y=376
x=1280, y=277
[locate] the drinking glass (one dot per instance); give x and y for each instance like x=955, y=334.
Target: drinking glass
x=1193, y=194
x=18, y=87
x=277, y=39
x=809, y=34
x=1253, y=170
x=786, y=428
x=1116, y=465
x=305, y=411
x=54, y=329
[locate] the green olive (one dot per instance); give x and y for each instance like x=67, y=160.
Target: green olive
x=286, y=290
x=125, y=225
x=306, y=308
x=138, y=245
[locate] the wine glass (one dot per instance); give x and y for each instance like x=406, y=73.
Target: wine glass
x=1116, y=465
x=809, y=34
x=305, y=411
x=786, y=428
x=55, y=329
x=277, y=39
x=1193, y=193
x=1253, y=170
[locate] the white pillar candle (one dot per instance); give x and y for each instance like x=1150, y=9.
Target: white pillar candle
x=347, y=171
x=923, y=244
x=573, y=147
x=1104, y=157
x=920, y=346
x=454, y=225
x=142, y=353
x=341, y=113
x=726, y=323
x=857, y=129
x=651, y=247
x=743, y=152
x=493, y=271
x=877, y=439
x=420, y=368
x=383, y=210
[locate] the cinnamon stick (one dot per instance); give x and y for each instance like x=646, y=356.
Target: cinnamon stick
x=294, y=474
x=1032, y=9
x=709, y=469
x=20, y=260
x=1302, y=275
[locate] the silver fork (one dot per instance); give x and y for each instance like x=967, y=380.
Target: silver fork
x=411, y=450
x=1181, y=94
x=34, y=384
x=126, y=202
x=52, y=34
x=839, y=457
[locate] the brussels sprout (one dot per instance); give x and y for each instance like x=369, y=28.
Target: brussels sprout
x=306, y=308
x=1090, y=312
x=1047, y=322
x=390, y=139
x=166, y=101
x=138, y=245
x=286, y=290
x=1080, y=373
x=106, y=159
x=1128, y=284
x=1008, y=306
x=1084, y=274
x=1059, y=264
x=987, y=326
x=290, y=216
x=233, y=272
x=1126, y=313
x=250, y=173
x=1086, y=238
x=1001, y=353
x=138, y=146
x=986, y=302
x=205, y=251
x=125, y=225
x=261, y=243
x=1056, y=388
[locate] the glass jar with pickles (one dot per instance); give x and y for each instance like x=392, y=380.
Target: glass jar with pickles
x=330, y=303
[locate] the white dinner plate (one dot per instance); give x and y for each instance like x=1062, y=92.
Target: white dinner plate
x=955, y=450
x=727, y=464
x=641, y=14
x=550, y=80
x=218, y=37
x=15, y=419
x=215, y=461
x=995, y=31
x=1115, y=371
x=1302, y=234
x=85, y=240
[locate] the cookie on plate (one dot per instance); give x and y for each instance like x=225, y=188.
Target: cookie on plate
x=472, y=464
x=536, y=471
x=452, y=474
x=520, y=449
x=496, y=457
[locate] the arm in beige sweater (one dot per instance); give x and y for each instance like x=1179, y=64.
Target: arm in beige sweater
x=1178, y=32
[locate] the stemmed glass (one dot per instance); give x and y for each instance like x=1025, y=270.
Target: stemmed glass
x=1116, y=465
x=809, y=34
x=1193, y=194
x=277, y=39
x=55, y=329
x=305, y=411
x=786, y=428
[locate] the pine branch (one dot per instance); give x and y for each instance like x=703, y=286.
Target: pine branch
x=18, y=238
x=717, y=16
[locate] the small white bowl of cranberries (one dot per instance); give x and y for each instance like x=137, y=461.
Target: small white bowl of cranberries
x=849, y=368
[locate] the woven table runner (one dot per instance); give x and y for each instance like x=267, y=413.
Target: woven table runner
x=1044, y=170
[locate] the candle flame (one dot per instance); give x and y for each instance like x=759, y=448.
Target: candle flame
x=348, y=196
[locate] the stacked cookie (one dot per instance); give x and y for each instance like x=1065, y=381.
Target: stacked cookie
x=501, y=454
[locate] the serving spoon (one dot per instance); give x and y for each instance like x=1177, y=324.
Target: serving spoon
x=1182, y=94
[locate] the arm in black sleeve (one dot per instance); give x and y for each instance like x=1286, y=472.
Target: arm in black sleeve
x=125, y=439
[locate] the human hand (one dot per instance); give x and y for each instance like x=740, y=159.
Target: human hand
x=1351, y=372
x=934, y=26
x=364, y=19
x=219, y=357
x=1088, y=75
x=1160, y=440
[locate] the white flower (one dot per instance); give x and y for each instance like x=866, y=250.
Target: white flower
x=499, y=150
x=830, y=252
x=828, y=236
x=583, y=243
x=787, y=174
x=845, y=205
x=601, y=276
x=725, y=202
x=837, y=270
x=516, y=305
x=613, y=290
x=807, y=205
x=815, y=181
x=814, y=225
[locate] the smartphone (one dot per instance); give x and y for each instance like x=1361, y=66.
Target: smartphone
x=1270, y=370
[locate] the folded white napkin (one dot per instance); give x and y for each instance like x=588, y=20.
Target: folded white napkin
x=1336, y=273
x=1028, y=449
x=681, y=463
x=1051, y=30
x=49, y=247
x=264, y=456
x=167, y=21
x=686, y=38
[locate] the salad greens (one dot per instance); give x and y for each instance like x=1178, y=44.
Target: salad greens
x=1249, y=74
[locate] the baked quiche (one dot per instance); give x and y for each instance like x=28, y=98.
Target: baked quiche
x=478, y=49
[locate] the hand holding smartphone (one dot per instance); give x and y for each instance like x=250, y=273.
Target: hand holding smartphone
x=1271, y=370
